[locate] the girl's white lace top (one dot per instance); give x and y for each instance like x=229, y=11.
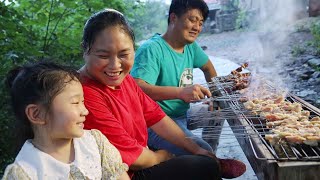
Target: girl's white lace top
x=95, y=158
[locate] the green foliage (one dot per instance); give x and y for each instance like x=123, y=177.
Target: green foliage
x=11, y=31
x=147, y=18
x=6, y=129
x=315, y=30
x=316, y=68
x=309, y=43
x=246, y=19
x=57, y=25
x=230, y=5
x=298, y=50
x=302, y=28
x=241, y=19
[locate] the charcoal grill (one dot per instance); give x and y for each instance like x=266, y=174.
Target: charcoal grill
x=277, y=161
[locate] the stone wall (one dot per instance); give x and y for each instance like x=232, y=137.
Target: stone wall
x=314, y=8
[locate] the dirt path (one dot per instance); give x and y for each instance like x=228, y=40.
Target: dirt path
x=229, y=45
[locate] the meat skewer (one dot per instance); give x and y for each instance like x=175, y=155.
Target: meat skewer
x=239, y=69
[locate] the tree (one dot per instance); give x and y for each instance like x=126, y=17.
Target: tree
x=58, y=25
x=39, y=29
x=147, y=18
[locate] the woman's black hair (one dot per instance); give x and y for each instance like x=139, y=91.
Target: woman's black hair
x=35, y=83
x=180, y=7
x=100, y=21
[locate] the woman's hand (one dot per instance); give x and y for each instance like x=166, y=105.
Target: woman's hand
x=163, y=155
x=150, y=158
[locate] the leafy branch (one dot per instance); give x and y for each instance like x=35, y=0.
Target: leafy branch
x=47, y=27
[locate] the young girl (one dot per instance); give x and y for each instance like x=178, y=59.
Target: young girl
x=49, y=106
x=123, y=112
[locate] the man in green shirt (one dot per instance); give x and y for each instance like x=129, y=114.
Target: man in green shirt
x=164, y=65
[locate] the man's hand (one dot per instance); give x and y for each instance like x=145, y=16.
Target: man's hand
x=204, y=152
x=193, y=93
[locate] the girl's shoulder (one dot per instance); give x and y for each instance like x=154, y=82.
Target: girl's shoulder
x=92, y=138
x=95, y=134
x=14, y=171
x=100, y=139
x=92, y=133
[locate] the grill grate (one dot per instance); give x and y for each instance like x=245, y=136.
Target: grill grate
x=252, y=127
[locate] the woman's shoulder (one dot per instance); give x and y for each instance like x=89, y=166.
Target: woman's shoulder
x=14, y=171
x=129, y=82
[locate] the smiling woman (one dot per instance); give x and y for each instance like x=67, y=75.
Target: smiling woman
x=123, y=112
x=108, y=54
x=110, y=58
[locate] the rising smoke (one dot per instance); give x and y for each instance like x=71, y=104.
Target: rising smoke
x=274, y=20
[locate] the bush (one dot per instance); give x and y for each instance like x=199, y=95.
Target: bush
x=315, y=30
x=33, y=30
x=241, y=19
x=297, y=50
x=7, y=131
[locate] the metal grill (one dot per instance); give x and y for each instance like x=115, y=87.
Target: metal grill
x=250, y=127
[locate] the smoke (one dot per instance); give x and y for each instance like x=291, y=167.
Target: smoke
x=274, y=20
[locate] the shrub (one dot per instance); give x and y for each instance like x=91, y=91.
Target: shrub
x=315, y=30
x=297, y=50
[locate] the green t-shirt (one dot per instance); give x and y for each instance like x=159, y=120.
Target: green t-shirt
x=158, y=64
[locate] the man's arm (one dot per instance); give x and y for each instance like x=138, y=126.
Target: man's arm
x=159, y=92
x=209, y=71
x=187, y=94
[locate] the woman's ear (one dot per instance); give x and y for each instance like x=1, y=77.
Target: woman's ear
x=35, y=115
